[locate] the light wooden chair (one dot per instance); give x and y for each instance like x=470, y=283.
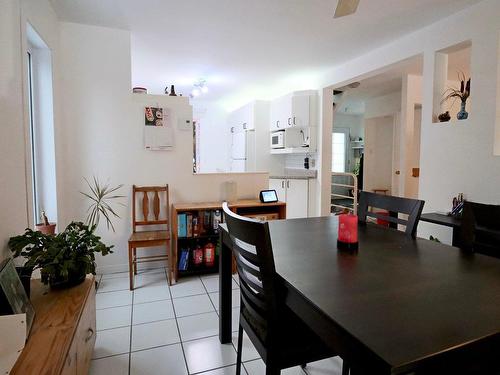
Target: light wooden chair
x=149, y=238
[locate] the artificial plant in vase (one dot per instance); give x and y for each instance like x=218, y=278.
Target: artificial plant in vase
x=463, y=94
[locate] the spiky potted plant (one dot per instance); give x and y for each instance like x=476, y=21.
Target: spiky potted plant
x=463, y=94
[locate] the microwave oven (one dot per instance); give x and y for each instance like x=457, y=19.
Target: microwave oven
x=278, y=139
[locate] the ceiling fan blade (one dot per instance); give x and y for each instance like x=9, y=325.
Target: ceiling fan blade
x=346, y=7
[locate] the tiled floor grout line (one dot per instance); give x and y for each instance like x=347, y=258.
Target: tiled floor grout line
x=131, y=325
x=181, y=342
x=178, y=330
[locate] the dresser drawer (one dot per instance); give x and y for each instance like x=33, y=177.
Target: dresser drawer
x=86, y=335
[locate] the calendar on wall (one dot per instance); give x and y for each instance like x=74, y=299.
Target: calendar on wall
x=158, y=130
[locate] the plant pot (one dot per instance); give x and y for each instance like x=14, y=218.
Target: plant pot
x=74, y=278
x=46, y=229
x=24, y=274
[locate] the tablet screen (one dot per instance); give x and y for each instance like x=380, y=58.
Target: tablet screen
x=267, y=196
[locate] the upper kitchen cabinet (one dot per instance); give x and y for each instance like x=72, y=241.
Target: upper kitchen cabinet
x=297, y=109
x=242, y=119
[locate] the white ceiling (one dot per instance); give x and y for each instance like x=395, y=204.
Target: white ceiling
x=251, y=49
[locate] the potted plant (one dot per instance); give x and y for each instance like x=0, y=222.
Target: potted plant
x=64, y=259
x=463, y=94
x=45, y=226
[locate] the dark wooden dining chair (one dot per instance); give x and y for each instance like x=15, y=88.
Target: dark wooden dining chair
x=369, y=202
x=158, y=236
x=280, y=337
x=480, y=228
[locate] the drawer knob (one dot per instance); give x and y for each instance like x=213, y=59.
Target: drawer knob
x=90, y=334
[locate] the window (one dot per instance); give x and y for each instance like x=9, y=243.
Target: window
x=40, y=128
x=34, y=189
x=339, y=151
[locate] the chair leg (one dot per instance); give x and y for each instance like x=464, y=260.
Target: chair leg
x=131, y=266
x=135, y=261
x=240, y=347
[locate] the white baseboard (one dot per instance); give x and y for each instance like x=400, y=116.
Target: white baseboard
x=115, y=268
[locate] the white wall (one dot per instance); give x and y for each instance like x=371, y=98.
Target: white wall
x=455, y=157
x=385, y=105
x=103, y=135
x=214, y=136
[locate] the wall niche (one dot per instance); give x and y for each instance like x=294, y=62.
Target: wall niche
x=451, y=65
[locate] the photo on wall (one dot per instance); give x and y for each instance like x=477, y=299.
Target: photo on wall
x=153, y=116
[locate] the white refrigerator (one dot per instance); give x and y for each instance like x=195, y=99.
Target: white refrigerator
x=242, y=145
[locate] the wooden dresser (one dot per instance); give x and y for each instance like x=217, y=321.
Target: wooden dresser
x=63, y=334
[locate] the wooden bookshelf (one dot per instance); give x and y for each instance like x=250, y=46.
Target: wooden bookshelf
x=247, y=207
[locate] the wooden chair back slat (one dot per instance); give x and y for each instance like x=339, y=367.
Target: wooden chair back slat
x=145, y=201
x=395, y=206
x=145, y=206
x=156, y=205
x=255, y=264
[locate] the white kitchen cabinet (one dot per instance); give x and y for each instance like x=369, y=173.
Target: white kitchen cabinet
x=295, y=192
x=293, y=110
x=280, y=186
x=297, y=202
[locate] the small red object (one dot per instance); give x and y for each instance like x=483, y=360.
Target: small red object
x=209, y=254
x=198, y=256
x=383, y=222
x=348, y=232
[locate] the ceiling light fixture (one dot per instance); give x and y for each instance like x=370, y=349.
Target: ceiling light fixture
x=199, y=87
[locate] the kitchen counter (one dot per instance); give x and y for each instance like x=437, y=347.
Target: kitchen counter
x=292, y=177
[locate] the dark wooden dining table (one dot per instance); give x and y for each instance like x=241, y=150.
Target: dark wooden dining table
x=398, y=305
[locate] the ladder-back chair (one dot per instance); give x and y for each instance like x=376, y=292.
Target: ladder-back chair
x=159, y=236
x=281, y=338
x=395, y=206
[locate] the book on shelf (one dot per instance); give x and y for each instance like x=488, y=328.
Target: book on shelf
x=189, y=225
x=182, y=225
x=184, y=260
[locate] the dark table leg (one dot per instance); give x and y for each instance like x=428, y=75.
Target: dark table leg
x=456, y=237
x=225, y=289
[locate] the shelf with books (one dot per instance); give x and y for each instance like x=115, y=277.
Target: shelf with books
x=195, y=241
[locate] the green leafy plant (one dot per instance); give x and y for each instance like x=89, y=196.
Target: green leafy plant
x=101, y=197
x=463, y=93
x=64, y=258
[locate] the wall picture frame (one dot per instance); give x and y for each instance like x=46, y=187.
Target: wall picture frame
x=13, y=298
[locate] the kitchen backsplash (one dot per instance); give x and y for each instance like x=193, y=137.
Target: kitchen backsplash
x=297, y=160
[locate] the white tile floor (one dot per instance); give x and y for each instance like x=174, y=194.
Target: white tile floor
x=157, y=329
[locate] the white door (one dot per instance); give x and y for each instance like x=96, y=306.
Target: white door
x=378, y=158
x=297, y=197
x=279, y=113
x=280, y=187
x=299, y=111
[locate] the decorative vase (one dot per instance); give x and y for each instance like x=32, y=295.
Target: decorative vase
x=172, y=91
x=463, y=114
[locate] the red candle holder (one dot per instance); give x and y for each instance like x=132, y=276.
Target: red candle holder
x=348, y=232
